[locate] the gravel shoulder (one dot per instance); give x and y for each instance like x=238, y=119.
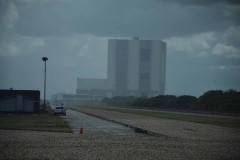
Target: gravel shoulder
x=53, y=145
x=172, y=128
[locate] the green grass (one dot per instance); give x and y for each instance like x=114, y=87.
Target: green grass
x=223, y=122
x=42, y=122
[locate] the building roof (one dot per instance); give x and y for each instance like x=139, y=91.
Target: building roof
x=35, y=94
x=15, y=96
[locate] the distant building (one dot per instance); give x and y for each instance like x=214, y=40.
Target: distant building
x=70, y=98
x=95, y=87
x=73, y=99
x=135, y=68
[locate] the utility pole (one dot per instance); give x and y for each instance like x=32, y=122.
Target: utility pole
x=45, y=60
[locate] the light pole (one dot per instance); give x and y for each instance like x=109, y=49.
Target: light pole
x=45, y=60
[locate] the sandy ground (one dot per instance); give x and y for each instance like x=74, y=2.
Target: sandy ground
x=49, y=145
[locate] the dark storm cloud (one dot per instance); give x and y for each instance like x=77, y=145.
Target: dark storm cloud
x=230, y=9
x=149, y=19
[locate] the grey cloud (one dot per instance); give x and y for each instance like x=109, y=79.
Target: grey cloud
x=196, y=45
x=227, y=50
x=13, y=45
x=229, y=47
x=231, y=14
x=8, y=14
x=232, y=36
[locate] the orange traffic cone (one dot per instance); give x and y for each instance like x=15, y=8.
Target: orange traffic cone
x=81, y=129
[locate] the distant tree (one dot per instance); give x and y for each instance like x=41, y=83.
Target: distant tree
x=214, y=100
x=106, y=100
x=185, y=101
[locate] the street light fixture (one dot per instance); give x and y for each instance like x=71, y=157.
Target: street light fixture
x=44, y=59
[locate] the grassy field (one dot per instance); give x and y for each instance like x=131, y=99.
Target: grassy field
x=42, y=122
x=224, y=122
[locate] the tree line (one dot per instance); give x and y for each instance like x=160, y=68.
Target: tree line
x=213, y=100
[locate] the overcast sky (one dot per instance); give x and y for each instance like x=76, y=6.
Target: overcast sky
x=202, y=36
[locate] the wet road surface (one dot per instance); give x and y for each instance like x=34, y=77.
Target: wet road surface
x=93, y=125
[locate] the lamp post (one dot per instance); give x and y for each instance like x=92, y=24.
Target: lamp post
x=45, y=60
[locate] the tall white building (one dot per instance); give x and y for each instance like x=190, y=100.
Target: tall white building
x=135, y=67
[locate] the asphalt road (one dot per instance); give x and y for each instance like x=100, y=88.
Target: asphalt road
x=93, y=125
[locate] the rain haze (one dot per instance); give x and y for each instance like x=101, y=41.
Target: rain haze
x=202, y=37
x=125, y=79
